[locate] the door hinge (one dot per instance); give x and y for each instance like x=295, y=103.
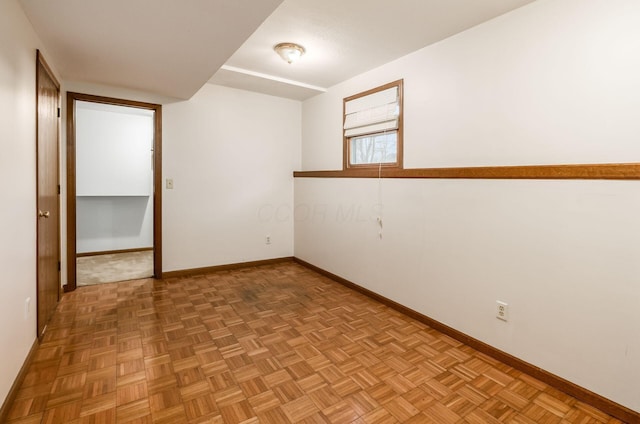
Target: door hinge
x=58, y=112
x=58, y=265
x=58, y=188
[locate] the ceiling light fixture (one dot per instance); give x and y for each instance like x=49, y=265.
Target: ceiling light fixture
x=290, y=52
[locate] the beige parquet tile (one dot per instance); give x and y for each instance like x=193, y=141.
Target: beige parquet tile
x=275, y=344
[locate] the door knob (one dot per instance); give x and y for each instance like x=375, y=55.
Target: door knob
x=43, y=214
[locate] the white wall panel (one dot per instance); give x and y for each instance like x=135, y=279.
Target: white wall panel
x=18, y=44
x=231, y=155
x=550, y=83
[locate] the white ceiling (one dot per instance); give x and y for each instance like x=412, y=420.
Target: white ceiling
x=344, y=38
x=168, y=47
x=172, y=47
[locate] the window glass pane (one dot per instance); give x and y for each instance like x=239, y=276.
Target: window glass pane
x=372, y=127
x=374, y=148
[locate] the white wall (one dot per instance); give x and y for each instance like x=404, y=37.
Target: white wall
x=114, y=150
x=553, y=82
x=105, y=223
x=231, y=154
x=18, y=44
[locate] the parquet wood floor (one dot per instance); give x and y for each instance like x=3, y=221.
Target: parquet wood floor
x=274, y=344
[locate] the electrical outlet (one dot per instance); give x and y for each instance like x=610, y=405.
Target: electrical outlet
x=169, y=183
x=502, y=310
x=267, y=240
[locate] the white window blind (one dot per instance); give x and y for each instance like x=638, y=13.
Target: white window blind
x=377, y=112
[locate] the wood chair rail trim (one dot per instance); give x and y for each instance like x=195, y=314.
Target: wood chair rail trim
x=599, y=171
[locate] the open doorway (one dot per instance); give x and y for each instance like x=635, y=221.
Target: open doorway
x=114, y=191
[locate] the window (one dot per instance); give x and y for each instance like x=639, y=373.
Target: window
x=373, y=127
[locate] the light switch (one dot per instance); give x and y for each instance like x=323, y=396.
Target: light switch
x=169, y=183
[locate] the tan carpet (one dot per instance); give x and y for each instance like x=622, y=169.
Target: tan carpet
x=114, y=267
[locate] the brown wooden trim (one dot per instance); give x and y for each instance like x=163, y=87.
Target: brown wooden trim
x=610, y=407
x=112, y=101
x=346, y=148
x=71, y=195
x=17, y=383
x=157, y=194
x=599, y=171
x=71, y=180
x=114, y=252
x=227, y=267
x=400, y=145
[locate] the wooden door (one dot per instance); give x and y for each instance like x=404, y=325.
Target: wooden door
x=48, y=209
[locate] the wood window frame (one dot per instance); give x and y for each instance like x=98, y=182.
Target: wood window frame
x=346, y=140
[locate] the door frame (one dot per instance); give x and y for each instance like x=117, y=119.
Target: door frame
x=71, y=179
x=41, y=63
